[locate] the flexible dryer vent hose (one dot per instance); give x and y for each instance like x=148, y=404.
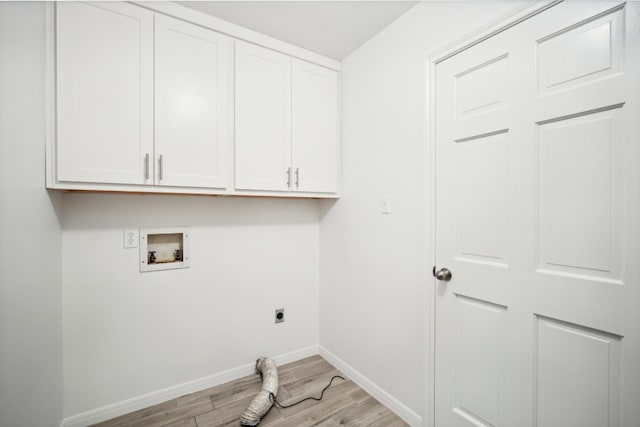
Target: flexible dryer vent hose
x=261, y=404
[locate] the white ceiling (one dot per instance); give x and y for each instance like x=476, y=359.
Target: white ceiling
x=331, y=28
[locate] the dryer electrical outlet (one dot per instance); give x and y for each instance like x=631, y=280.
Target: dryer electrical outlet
x=280, y=315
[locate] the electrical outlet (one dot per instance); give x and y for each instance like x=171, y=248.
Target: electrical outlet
x=279, y=315
x=130, y=239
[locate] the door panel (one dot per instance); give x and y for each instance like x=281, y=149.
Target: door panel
x=578, y=375
x=580, y=61
x=580, y=210
x=591, y=50
x=482, y=87
x=481, y=331
x=481, y=188
x=536, y=215
x=314, y=128
x=263, y=119
x=104, y=92
x=193, y=104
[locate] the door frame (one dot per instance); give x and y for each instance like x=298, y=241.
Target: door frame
x=432, y=59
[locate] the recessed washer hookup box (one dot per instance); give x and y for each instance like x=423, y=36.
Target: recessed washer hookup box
x=164, y=248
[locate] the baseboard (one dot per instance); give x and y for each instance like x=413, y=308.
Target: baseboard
x=385, y=398
x=139, y=402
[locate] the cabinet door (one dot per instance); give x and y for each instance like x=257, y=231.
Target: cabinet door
x=314, y=128
x=263, y=119
x=104, y=70
x=193, y=104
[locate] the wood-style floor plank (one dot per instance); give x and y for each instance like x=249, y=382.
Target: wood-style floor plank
x=165, y=417
x=361, y=413
x=344, y=403
x=187, y=422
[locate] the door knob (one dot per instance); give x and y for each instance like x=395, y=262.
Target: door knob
x=444, y=274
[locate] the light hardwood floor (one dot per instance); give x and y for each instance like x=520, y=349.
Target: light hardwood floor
x=344, y=403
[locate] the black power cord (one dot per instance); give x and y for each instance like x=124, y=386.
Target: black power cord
x=279, y=405
x=273, y=399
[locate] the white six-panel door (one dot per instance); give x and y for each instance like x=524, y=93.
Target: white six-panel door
x=538, y=218
x=193, y=104
x=104, y=92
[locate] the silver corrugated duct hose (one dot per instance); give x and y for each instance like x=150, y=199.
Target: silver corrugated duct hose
x=261, y=404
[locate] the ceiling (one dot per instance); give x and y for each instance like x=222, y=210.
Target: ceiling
x=331, y=28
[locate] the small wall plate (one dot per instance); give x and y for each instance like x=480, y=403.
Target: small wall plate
x=164, y=248
x=279, y=315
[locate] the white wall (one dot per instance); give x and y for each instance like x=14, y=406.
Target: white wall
x=374, y=270
x=127, y=333
x=30, y=238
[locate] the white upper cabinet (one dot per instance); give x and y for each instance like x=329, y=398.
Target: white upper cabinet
x=142, y=101
x=104, y=92
x=263, y=119
x=314, y=128
x=286, y=123
x=193, y=100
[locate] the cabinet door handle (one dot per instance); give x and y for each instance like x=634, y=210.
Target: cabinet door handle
x=288, y=172
x=146, y=166
x=297, y=177
x=161, y=171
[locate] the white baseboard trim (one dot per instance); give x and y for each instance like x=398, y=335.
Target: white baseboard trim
x=139, y=402
x=385, y=398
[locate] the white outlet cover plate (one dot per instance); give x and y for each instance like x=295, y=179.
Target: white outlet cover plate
x=131, y=238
